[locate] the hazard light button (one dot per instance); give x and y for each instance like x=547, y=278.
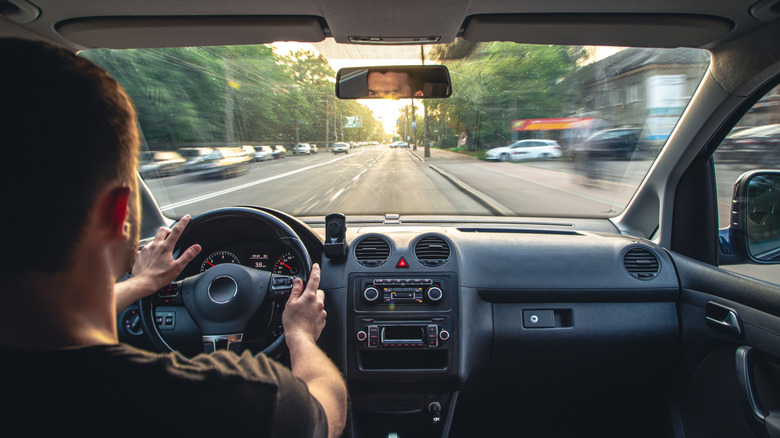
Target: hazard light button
x=402, y=263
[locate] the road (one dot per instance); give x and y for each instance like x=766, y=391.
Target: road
x=379, y=179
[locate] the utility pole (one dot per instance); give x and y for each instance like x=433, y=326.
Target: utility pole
x=327, y=122
x=414, y=127
x=426, y=133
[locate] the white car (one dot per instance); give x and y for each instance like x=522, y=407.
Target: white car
x=526, y=150
x=302, y=149
x=340, y=147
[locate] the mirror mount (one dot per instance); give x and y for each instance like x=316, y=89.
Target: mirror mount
x=394, y=82
x=754, y=230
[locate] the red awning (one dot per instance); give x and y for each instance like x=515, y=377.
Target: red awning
x=552, y=124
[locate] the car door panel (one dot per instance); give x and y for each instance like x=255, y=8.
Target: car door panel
x=722, y=316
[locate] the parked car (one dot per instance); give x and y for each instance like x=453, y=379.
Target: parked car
x=340, y=147
x=263, y=153
x=618, y=143
x=759, y=143
x=314, y=149
x=155, y=164
x=194, y=156
x=526, y=150
x=279, y=151
x=399, y=144
x=302, y=149
x=224, y=162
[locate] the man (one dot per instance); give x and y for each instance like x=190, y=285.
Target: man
x=69, y=176
x=389, y=84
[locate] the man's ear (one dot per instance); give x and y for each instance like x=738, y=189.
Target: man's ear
x=113, y=211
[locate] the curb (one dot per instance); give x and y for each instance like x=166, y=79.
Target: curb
x=486, y=201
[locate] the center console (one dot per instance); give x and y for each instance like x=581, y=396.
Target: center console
x=402, y=359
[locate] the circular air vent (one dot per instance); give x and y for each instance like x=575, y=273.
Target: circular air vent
x=432, y=251
x=641, y=263
x=372, y=251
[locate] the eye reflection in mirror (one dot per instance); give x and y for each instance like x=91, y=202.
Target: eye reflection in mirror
x=392, y=85
x=394, y=82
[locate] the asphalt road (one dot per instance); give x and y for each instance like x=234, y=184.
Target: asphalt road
x=379, y=179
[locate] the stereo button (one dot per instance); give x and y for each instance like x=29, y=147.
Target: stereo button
x=361, y=336
x=371, y=294
x=434, y=294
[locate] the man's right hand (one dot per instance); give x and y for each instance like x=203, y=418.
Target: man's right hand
x=304, y=314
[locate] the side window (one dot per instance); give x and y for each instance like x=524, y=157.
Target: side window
x=753, y=143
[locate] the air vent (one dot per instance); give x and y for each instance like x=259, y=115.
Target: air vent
x=641, y=263
x=432, y=251
x=372, y=251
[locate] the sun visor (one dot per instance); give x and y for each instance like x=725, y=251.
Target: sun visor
x=153, y=32
x=635, y=30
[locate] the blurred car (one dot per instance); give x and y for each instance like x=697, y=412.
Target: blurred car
x=302, y=149
x=339, y=148
x=399, y=144
x=279, y=151
x=314, y=149
x=618, y=143
x=263, y=153
x=249, y=151
x=526, y=150
x=756, y=144
x=153, y=164
x=193, y=156
x=224, y=163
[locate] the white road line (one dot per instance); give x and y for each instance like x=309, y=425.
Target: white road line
x=333, y=198
x=244, y=186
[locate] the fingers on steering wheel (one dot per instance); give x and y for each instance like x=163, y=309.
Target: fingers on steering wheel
x=297, y=289
x=174, y=234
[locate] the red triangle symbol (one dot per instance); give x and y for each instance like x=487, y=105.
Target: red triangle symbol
x=402, y=263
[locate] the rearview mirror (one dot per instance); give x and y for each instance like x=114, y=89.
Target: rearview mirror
x=755, y=218
x=394, y=82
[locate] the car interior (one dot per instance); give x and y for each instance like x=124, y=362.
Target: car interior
x=658, y=317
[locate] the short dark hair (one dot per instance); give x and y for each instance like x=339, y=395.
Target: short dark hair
x=68, y=129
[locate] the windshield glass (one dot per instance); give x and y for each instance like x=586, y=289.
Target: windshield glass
x=604, y=114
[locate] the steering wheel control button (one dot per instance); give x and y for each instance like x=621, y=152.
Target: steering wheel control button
x=362, y=336
x=538, y=319
x=170, y=290
x=371, y=294
x=223, y=289
x=281, y=285
x=165, y=320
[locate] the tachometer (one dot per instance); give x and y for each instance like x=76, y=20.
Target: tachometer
x=218, y=258
x=287, y=264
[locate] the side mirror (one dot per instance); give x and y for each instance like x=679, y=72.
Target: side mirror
x=394, y=82
x=754, y=231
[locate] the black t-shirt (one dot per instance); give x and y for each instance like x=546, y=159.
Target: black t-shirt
x=118, y=390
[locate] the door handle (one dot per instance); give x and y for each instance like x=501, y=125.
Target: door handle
x=765, y=424
x=723, y=318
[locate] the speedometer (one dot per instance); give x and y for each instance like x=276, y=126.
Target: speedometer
x=218, y=258
x=287, y=264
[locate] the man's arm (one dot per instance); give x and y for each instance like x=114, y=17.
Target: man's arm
x=303, y=320
x=155, y=266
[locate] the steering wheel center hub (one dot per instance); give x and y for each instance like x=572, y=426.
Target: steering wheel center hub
x=223, y=289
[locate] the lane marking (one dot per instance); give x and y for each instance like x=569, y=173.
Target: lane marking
x=245, y=186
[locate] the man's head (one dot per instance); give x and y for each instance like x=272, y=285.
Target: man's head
x=391, y=85
x=69, y=132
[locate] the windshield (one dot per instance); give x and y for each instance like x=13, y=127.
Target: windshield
x=604, y=114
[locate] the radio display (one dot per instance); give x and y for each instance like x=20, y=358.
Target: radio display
x=403, y=334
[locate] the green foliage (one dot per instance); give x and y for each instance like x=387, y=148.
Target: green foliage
x=496, y=83
x=232, y=95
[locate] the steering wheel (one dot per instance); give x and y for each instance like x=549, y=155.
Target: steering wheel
x=223, y=300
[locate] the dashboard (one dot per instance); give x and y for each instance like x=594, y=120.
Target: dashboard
x=422, y=315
